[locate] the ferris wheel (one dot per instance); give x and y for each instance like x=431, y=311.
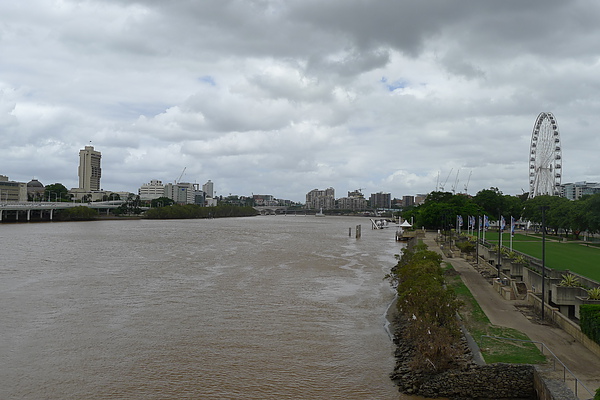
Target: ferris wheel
x=545, y=157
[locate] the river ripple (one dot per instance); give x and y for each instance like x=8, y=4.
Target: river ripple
x=277, y=307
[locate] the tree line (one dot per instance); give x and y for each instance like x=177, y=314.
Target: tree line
x=189, y=211
x=440, y=210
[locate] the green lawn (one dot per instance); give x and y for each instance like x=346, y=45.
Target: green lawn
x=573, y=255
x=478, y=324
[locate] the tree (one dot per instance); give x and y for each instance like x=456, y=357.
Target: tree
x=57, y=191
x=491, y=201
x=441, y=209
x=112, y=196
x=555, y=208
x=592, y=212
x=578, y=217
x=80, y=213
x=161, y=202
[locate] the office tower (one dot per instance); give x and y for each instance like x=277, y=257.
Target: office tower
x=208, y=188
x=89, y=169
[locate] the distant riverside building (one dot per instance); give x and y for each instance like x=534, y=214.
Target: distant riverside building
x=381, y=200
x=209, y=188
x=264, y=200
x=574, y=191
x=11, y=190
x=317, y=199
x=184, y=193
x=35, y=190
x=90, y=171
x=152, y=190
x=408, y=201
x=355, y=201
x=420, y=199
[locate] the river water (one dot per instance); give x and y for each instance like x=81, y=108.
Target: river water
x=270, y=307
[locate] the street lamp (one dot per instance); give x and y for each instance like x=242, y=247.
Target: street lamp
x=50, y=196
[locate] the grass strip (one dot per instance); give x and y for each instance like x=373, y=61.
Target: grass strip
x=478, y=324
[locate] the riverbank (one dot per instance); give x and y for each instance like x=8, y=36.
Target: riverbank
x=503, y=313
x=509, y=313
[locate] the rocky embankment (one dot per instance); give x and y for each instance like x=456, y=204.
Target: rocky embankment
x=465, y=380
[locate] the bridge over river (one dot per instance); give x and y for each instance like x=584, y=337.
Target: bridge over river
x=24, y=211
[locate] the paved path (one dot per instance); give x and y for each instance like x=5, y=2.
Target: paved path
x=583, y=363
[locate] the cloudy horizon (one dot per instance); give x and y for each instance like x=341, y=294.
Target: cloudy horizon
x=282, y=97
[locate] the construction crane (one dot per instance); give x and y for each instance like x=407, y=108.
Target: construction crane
x=467, y=184
x=180, y=176
x=455, y=182
x=444, y=184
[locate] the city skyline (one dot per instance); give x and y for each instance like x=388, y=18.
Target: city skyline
x=284, y=97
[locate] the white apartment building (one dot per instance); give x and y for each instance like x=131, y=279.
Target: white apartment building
x=317, y=199
x=152, y=190
x=209, y=189
x=355, y=203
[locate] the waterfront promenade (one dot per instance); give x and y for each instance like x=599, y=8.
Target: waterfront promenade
x=582, y=362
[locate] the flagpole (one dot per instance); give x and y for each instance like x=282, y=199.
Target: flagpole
x=477, y=248
x=512, y=230
x=500, y=229
x=483, y=229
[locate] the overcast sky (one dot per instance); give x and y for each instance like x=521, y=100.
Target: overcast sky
x=284, y=96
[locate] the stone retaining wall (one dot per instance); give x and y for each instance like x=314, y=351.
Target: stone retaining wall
x=494, y=381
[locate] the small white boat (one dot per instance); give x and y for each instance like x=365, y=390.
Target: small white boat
x=320, y=213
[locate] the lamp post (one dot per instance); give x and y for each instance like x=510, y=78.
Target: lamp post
x=543, y=208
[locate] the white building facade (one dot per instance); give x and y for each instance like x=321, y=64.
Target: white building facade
x=152, y=190
x=184, y=193
x=317, y=199
x=209, y=189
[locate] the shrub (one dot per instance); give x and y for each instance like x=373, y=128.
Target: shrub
x=594, y=293
x=79, y=213
x=569, y=280
x=590, y=321
x=519, y=259
x=466, y=247
x=429, y=307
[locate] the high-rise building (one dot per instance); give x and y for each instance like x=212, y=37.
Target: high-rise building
x=408, y=201
x=89, y=169
x=325, y=199
x=208, y=188
x=381, y=200
x=184, y=193
x=152, y=190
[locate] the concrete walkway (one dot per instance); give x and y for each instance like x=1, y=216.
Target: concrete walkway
x=583, y=363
